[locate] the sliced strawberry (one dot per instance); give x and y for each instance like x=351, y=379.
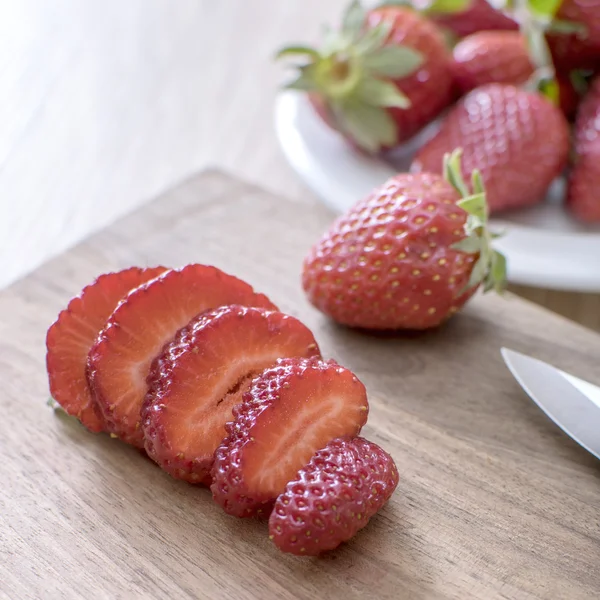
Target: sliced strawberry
x=291, y=411
x=70, y=338
x=203, y=373
x=333, y=497
x=142, y=324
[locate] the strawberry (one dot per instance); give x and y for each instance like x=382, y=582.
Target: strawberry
x=381, y=80
x=478, y=16
x=70, y=338
x=141, y=325
x=333, y=497
x=504, y=57
x=577, y=50
x=406, y=257
x=518, y=140
x=291, y=411
x=203, y=373
x=491, y=56
x=583, y=198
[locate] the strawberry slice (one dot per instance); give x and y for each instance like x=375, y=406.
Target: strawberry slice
x=333, y=497
x=291, y=411
x=142, y=324
x=70, y=338
x=199, y=377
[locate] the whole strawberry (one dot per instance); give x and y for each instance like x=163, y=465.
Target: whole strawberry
x=583, y=197
x=381, y=79
x=478, y=16
x=577, y=50
x=491, y=56
x=333, y=497
x=518, y=140
x=406, y=257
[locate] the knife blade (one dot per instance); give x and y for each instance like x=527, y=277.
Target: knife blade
x=572, y=403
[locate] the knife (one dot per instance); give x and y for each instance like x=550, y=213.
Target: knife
x=572, y=403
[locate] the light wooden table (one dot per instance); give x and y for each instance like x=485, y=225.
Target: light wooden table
x=105, y=104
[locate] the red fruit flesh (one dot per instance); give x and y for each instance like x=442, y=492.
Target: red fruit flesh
x=203, y=373
x=583, y=197
x=70, y=338
x=291, y=410
x=518, y=140
x=333, y=497
x=430, y=87
x=142, y=324
x=491, y=57
x=479, y=16
x=388, y=263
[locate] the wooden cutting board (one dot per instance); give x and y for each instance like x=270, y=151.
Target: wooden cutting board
x=494, y=501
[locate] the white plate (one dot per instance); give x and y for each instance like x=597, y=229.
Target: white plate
x=544, y=247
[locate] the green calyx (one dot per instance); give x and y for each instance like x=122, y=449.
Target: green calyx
x=432, y=7
x=490, y=268
x=354, y=73
x=536, y=19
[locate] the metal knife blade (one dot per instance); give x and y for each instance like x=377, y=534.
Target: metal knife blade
x=572, y=403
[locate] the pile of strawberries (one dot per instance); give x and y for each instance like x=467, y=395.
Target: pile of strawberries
x=504, y=86
x=221, y=389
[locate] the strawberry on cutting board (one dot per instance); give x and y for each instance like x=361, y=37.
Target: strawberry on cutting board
x=381, y=79
x=583, y=196
x=136, y=332
x=203, y=373
x=333, y=497
x=518, y=140
x=70, y=338
x=291, y=411
x=406, y=257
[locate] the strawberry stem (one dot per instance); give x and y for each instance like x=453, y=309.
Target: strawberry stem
x=355, y=75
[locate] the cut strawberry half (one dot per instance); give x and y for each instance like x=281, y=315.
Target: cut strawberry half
x=70, y=338
x=203, y=373
x=142, y=324
x=291, y=411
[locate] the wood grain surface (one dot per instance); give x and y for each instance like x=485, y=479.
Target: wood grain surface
x=106, y=104
x=494, y=501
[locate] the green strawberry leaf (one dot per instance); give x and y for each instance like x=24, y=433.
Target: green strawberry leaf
x=370, y=126
x=373, y=38
x=580, y=79
x=476, y=206
x=477, y=274
x=432, y=6
x=539, y=52
x=497, y=274
x=468, y=245
x=305, y=81
x=304, y=51
x=353, y=21
x=448, y=6
x=453, y=173
x=490, y=267
x=550, y=89
x=567, y=28
x=544, y=8
x=477, y=182
x=393, y=61
x=376, y=92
